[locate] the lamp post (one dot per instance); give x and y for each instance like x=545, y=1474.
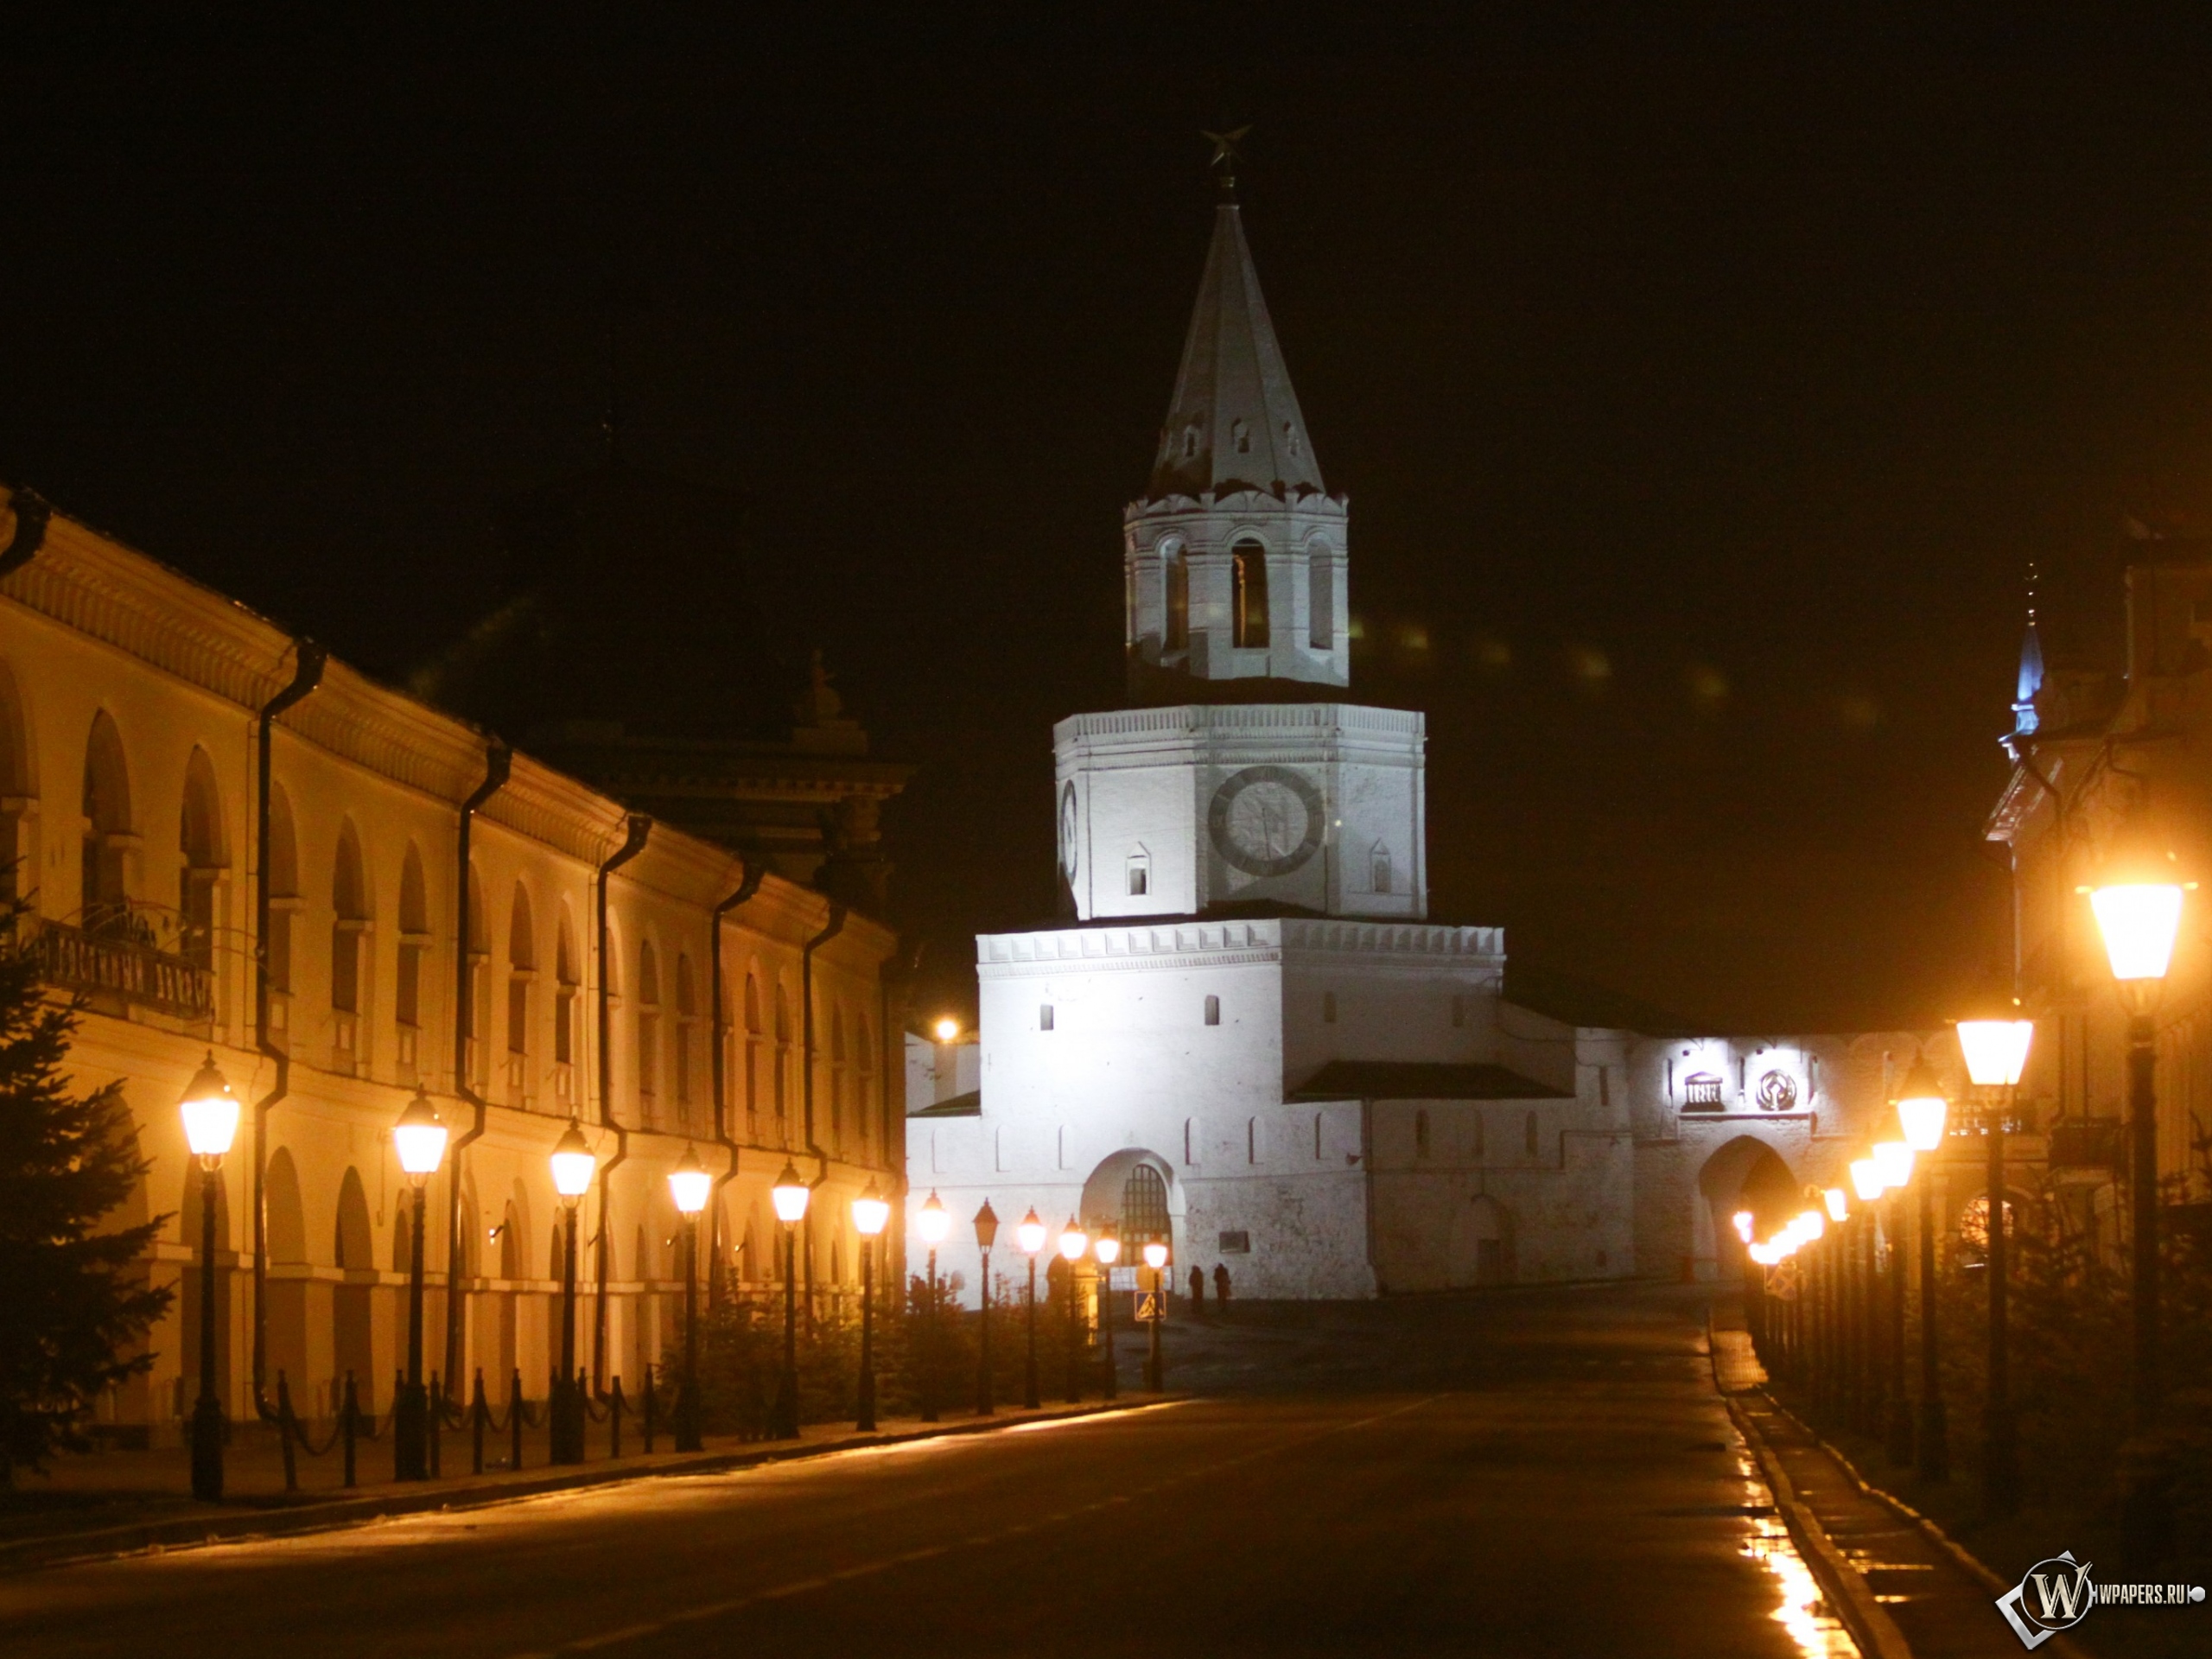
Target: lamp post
x=933, y=1222
x=419, y=1139
x=689, y=1184
x=1031, y=1233
x=1894, y=1159
x=1155, y=1258
x=1073, y=1242
x=1921, y=1110
x=1866, y=1390
x=2140, y=923
x=1836, y=1297
x=573, y=1168
x=986, y=1234
x=1996, y=1054
x=211, y=1123
x=871, y=1211
x=1108, y=1248
x=789, y=1196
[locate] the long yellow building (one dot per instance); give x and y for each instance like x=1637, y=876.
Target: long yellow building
x=227, y=841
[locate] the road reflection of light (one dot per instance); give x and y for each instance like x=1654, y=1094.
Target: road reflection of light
x=1817, y=1634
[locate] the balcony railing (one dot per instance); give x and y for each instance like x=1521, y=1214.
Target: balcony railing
x=109, y=961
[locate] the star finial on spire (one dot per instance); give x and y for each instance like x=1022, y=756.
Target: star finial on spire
x=1225, y=156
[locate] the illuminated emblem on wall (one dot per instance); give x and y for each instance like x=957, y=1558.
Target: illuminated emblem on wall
x=1266, y=820
x=1067, y=832
x=1777, y=1092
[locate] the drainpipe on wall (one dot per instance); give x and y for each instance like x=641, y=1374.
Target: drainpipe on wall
x=31, y=515
x=835, y=926
x=895, y=1159
x=499, y=759
x=308, y=660
x=633, y=842
x=755, y=871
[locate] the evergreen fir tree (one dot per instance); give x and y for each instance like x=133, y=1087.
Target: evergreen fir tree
x=74, y=1299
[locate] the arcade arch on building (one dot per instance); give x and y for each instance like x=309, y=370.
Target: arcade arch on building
x=1744, y=1173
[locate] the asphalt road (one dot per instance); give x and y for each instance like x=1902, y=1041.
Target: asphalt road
x=1547, y=1475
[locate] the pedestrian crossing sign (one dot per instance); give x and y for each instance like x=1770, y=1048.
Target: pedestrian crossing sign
x=1147, y=1304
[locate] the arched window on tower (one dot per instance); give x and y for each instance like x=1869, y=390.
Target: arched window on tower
x=1144, y=1209
x=687, y=1035
x=648, y=1035
x=864, y=1084
x=407, y=988
x=108, y=836
x=752, y=1054
x=565, y=983
x=1249, y=597
x=783, y=1063
x=1320, y=600
x=837, y=1079
x=1175, y=575
x=479, y=950
x=284, y=900
x=349, y=926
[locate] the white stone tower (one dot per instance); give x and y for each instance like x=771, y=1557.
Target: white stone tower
x=1231, y=787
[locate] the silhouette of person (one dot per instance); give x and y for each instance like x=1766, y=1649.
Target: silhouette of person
x=1220, y=1284
x=1198, y=1291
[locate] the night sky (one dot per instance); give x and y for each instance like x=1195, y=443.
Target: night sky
x=1704, y=381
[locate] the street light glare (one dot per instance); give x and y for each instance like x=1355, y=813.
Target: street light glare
x=419, y=1139
x=1745, y=1220
x=1073, y=1240
x=1996, y=1051
x=211, y=1114
x=1894, y=1159
x=689, y=1184
x=789, y=1196
x=1155, y=1256
x=933, y=1221
x=573, y=1164
x=871, y=1212
x=1107, y=1249
x=1031, y=1231
x=1866, y=1178
x=1921, y=1107
x=1839, y=1202
x=947, y=1029
x=2140, y=922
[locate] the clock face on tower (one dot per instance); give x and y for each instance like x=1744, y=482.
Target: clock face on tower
x=1266, y=820
x=1067, y=832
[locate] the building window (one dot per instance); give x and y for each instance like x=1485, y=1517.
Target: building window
x=837, y=1079
x=1139, y=866
x=1249, y=595
x=407, y=987
x=564, y=1015
x=1605, y=1085
x=199, y=840
x=1045, y=1016
x=1328, y=1008
x=863, y=1084
x=1175, y=570
x=284, y=900
x=478, y=948
x=522, y=971
x=1320, y=602
x=648, y=1031
x=752, y=1050
x=1378, y=864
x=1191, y=1138
x=1144, y=1209
x=781, y=1090
x=1213, y=1010
x=349, y=924
x=1317, y=1135
x=1421, y=1134
x=687, y=1032
x=1251, y=1140
x=108, y=835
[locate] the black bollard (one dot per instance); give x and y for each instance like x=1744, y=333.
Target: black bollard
x=650, y=1403
x=437, y=1418
x=478, y=1413
x=514, y=1419
x=614, y=1416
x=285, y=1431
x=345, y=1421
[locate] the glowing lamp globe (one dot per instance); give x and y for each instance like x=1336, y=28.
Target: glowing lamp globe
x=573, y=1165
x=1996, y=1051
x=1762, y=1254
x=689, y=1184
x=1839, y=1203
x=1073, y=1241
x=211, y=1114
x=1922, y=1108
x=1894, y=1159
x=1866, y=1179
x=933, y=1221
x=1155, y=1256
x=2140, y=922
x=871, y=1212
x=1031, y=1232
x=987, y=1226
x=1811, y=1225
x=1107, y=1249
x=419, y=1139
x=789, y=1196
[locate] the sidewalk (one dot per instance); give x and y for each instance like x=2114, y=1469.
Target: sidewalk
x=1930, y=1599
x=120, y=1503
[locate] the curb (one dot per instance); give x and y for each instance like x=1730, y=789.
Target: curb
x=1968, y=1561
x=1871, y=1626
x=184, y=1532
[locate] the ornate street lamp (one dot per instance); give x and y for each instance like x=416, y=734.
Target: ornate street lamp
x=1155, y=1259
x=2141, y=922
x=1996, y=1054
x=211, y=1123
x=871, y=1213
x=789, y=1196
x=1893, y=1163
x=1108, y=1248
x=1923, y=1111
x=933, y=1222
x=1073, y=1242
x=688, y=1186
x=986, y=1234
x=1030, y=1231
x=1867, y=1404
x=419, y=1139
x=573, y=1165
